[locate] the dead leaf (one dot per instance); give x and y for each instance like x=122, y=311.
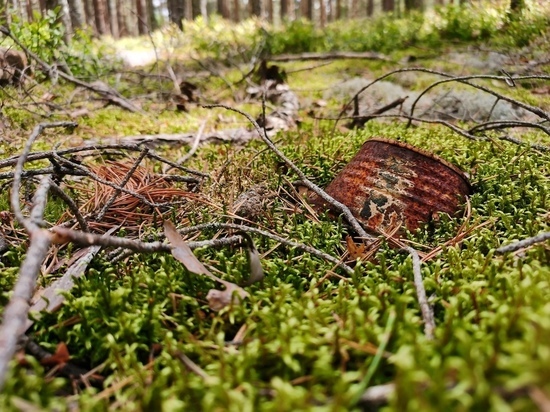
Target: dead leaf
x=60, y=357
x=183, y=252
x=217, y=299
x=355, y=251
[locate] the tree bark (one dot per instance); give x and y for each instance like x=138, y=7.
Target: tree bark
x=113, y=18
x=141, y=16
x=307, y=9
x=322, y=14
x=236, y=11
x=78, y=16
x=256, y=8
x=223, y=9
x=388, y=5
x=99, y=13
x=370, y=8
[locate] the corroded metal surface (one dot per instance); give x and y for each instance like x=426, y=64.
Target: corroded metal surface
x=389, y=184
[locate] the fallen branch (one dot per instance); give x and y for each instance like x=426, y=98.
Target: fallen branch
x=512, y=247
x=308, y=183
x=329, y=56
x=425, y=308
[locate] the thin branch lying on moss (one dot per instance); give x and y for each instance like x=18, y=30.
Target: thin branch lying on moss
x=513, y=247
x=425, y=308
x=462, y=79
x=16, y=186
x=310, y=185
x=72, y=206
x=15, y=314
x=286, y=242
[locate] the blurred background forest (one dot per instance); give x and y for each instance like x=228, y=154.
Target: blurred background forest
x=120, y=18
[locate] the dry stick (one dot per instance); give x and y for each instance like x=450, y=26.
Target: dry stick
x=290, y=243
x=130, y=147
x=122, y=254
x=512, y=247
x=504, y=124
x=15, y=204
x=310, y=185
x=16, y=312
x=456, y=129
x=125, y=180
x=72, y=206
x=426, y=310
x=39, y=172
x=535, y=110
x=195, y=146
x=464, y=79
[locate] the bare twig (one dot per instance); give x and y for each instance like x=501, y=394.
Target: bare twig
x=310, y=185
x=328, y=56
x=15, y=314
x=15, y=204
x=512, y=247
x=195, y=145
x=72, y=206
x=425, y=309
x=289, y=243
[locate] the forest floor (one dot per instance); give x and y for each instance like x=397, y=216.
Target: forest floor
x=324, y=317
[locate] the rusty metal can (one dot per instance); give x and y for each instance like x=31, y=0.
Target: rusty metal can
x=390, y=184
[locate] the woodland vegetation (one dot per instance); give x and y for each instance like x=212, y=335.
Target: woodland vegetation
x=162, y=241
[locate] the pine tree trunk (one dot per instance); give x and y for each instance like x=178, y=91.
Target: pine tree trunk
x=370, y=8
x=256, y=8
x=99, y=13
x=113, y=18
x=223, y=9
x=78, y=16
x=388, y=5
x=141, y=16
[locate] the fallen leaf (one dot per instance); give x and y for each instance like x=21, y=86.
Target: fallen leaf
x=217, y=299
x=60, y=357
x=355, y=251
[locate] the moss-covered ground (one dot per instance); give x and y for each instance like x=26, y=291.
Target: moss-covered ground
x=309, y=337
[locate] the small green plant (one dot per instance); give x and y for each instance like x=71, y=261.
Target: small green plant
x=44, y=36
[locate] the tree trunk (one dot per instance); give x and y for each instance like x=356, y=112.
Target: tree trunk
x=370, y=8
x=141, y=16
x=223, y=9
x=99, y=13
x=284, y=10
x=269, y=10
x=90, y=16
x=113, y=18
x=256, y=8
x=307, y=9
x=152, y=21
x=65, y=17
x=322, y=14
x=78, y=16
x=354, y=9
x=413, y=5
x=236, y=11
x=388, y=5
